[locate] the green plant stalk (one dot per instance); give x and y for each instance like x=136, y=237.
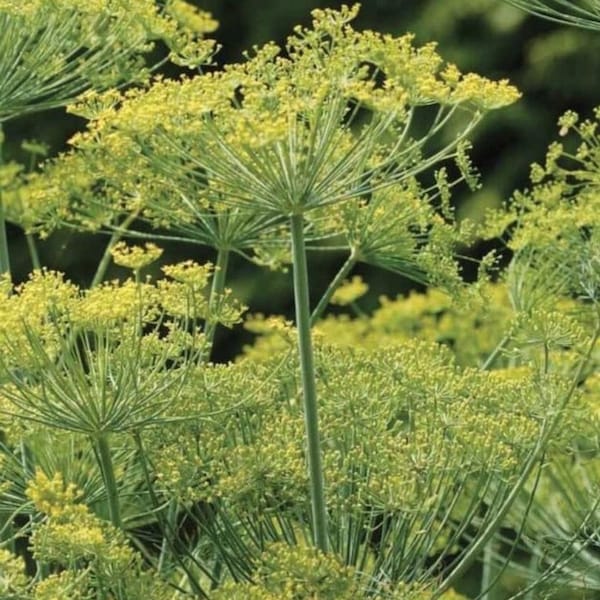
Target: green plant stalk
x=536, y=455
x=333, y=286
x=486, y=574
x=532, y=569
x=107, y=256
x=309, y=388
x=4, y=256
x=216, y=290
x=169, y=535
x=33, y=252
x=103, y=455
x=497, y=350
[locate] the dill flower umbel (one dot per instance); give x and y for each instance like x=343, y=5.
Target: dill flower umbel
x=124, y=347
x=273, y=142
x=93, y=45
x=135, y=257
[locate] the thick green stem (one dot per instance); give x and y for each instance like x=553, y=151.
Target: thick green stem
x=104, y=458
x=333, y=286
x=33, y=253
x=309, y=389
x=216, y=291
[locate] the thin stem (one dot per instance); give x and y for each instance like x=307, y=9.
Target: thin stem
x=33, y=252
x=333, y=286
x=4, y=255
x=535, y=457
x=104, y=457
x=492, y=357
x=167, y=531
x=309, y=389
x=216, y=291
x=106, y=257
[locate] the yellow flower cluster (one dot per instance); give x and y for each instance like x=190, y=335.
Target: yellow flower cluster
x=113, y=304
x=71, y=532
x=135, y=257
x=194, y=275
x=85, y=557
x=277, y=133
x=288, y=572
x=405, y=432
x=51, y=496
x=13, y=581
x=557, y=225
x=191, y=17
x=292, y=572
x=350, y=291
x=123, y=346
x=472, y=331
x=67, y=584
x=113, y=33
x=30, y=311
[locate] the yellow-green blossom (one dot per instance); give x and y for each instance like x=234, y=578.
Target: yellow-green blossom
x=93, y=45
x=350, y=291
x=135, y=257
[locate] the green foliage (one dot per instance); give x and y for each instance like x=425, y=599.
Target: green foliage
x=347, y=454
x=582, y=13
x=54, y=49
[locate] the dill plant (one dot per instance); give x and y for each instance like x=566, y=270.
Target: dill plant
x=261, y=139
x=138, y=467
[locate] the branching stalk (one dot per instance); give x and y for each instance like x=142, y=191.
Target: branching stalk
x=311, y=418
x=167, y=531
x=106, y=257
x=333, y=286
x=535, y=456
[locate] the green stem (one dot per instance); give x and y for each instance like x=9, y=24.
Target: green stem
x=532, y=570
x=333, y=286
x=104, y=457
x=4, y=255
x=486, y=575
x=168, y=532
x=106, y=257
x=33, y=252
x=216, y=291
x=311, y=418
x=536, y=455
x=492, y=357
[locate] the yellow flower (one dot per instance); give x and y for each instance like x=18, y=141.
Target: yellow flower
x=135, y=257
x=350, y=291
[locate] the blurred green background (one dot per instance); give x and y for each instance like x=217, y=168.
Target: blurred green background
x=554, y=66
